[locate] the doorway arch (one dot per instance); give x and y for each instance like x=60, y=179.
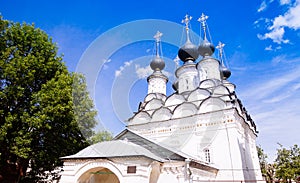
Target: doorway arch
x=98, y=172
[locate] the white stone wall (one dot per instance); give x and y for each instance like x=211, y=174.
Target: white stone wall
x=229, y=139
x=209, y=68
x=157, y=85
x=188, y=78
x=148, y=171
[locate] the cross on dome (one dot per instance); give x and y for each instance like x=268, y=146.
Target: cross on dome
x=157, y=64
x=206, y=48
x=157, y=38
x=188, y=52
x=186, y=21
x=202, y=20
x=220, y=47
x=225, y=72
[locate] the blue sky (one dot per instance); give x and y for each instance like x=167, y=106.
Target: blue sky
x=112, y=43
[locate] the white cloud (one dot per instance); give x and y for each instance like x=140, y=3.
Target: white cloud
x=143, y=72
x=269, y=48
x=262, y=21
x=278, y=59
x=127, y=64
x=273, y=103
x=290, y=19
x=276, y=35
x=262, y=6
x=176, y=60
x=283, y=2
x=118, y=73
x=106, y=60
x=289, y=91
x=166, y=73
x=271, y=88
x=121, y=69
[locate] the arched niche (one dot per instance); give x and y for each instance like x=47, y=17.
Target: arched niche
x=198, y=95
x=151, y=96
x=174, y=100
x=161, y=96
x=161, y=114
x=208, y=84
x=220, y=90
x=185, y=109
x=152, y=105
x=212, y=104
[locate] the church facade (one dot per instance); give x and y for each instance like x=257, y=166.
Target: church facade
x=200, y=133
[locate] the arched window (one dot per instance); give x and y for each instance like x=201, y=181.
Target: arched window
x=207, y=155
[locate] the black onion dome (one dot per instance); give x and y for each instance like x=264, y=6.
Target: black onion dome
x=175, y=85
x=157, y=64
x=226, y=73
x=188, y=52
x=206, y=48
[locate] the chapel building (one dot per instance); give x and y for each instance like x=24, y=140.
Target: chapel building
x=200, y=133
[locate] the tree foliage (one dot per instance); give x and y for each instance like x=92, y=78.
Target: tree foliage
x=38, y=113
x=285, y=168
x=83, y=106
x=262, y=157
x=101, y=136
x=287, y=163
x=267, y=169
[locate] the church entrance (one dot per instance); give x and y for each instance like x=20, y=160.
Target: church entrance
x=98, y=175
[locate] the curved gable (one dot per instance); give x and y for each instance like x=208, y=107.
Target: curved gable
x=174, y=100
x=185, y=109
x=212, y=104
x=198, y=95
x=161, y=114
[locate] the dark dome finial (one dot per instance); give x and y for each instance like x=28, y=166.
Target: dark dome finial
x=157, y=64
x=225, y=72
x=206, y=48
x=188, y=52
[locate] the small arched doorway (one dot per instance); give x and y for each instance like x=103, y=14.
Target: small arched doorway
x=98, y=175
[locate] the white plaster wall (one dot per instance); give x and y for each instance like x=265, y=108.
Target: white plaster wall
x=188, y=78
x=209, y=69
x=232, y=147
x=157, y=85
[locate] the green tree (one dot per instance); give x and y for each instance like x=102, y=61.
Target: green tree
x=83, y=106
x=101, y=136
x=287, y=163
x=58, y=132
x=267, y=169
x=262, y=157
x=38, y=123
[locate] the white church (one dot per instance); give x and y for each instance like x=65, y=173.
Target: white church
x=200, y=133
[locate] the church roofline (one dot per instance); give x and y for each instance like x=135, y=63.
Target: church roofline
x=194, y=161
x=108, y=149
